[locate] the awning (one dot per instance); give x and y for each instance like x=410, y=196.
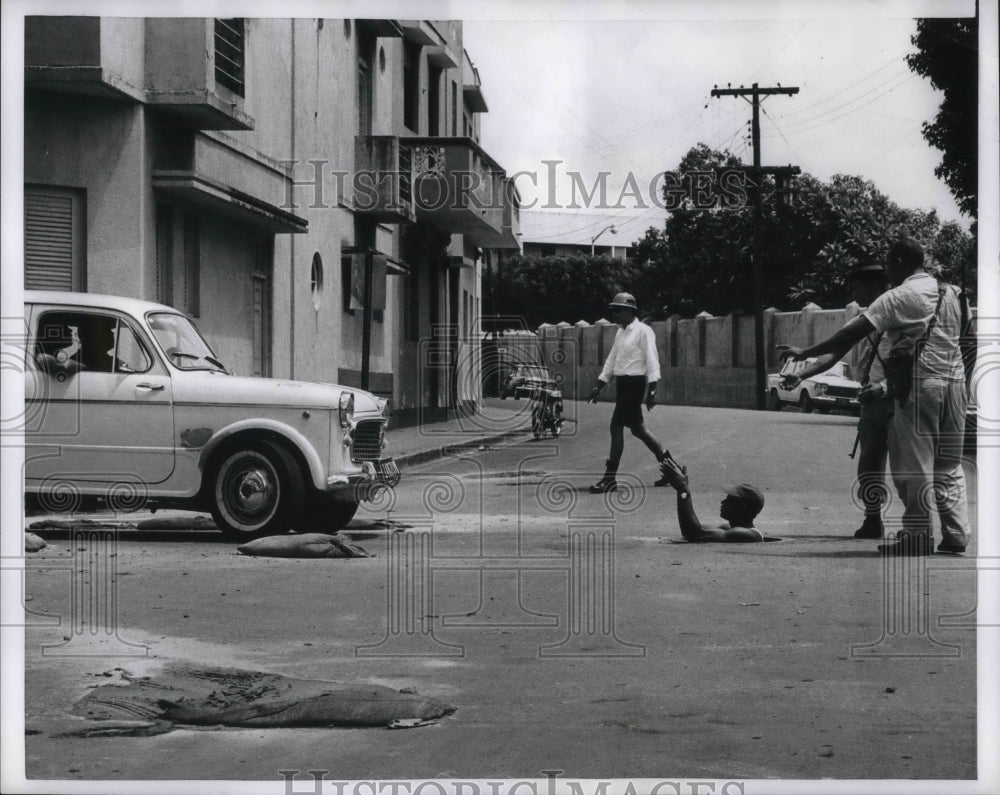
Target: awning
x=200, y=191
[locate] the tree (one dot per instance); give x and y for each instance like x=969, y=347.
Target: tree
x=948, y=55
x=701, y=260
x=560, y=288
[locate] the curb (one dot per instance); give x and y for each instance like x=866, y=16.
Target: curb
x=441, y=451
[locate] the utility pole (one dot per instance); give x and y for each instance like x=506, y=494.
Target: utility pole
x=755, y=93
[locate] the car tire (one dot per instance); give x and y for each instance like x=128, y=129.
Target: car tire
x=774, y=402
x=805, y=403
x=256, y=489
x=326, y=514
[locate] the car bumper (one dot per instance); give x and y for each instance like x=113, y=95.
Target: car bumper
x=384, y=472
x=832, y=402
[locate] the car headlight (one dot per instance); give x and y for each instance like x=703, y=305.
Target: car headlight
x=346, y=409
x=385, y=410
x=819, y=389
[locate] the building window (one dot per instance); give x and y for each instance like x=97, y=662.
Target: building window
x=411, y=85
x=54, y=239
x=192, y=265
x=165, y=254
x=434, y=101
x=454, y=108
x=230, y=44
x=316, y=281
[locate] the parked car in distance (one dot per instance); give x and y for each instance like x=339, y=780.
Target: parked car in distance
x=833, y=389
x=128, y=407
x=525, y=379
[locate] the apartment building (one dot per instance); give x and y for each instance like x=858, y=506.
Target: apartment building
x=312, y=191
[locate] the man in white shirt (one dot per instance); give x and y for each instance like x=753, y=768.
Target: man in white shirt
x=927, y=432
x=635, y=365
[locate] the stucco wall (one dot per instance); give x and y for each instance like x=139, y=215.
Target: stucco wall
x=117, y=198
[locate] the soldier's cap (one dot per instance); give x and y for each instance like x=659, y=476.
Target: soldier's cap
x=748, y=494
x=624, y=300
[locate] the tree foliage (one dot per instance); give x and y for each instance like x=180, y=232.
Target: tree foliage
x=558, y=288
x=948, y=55
x=701, y=259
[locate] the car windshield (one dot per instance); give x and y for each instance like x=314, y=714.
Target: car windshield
x=182, y=343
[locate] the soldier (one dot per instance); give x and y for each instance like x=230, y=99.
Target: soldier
x=868, y=282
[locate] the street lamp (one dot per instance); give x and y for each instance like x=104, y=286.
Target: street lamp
x=594, y=238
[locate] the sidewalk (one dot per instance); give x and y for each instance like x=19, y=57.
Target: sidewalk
x=498, y=420
x=410, y=446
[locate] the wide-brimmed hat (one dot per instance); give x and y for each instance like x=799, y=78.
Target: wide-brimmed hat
x=624, y=300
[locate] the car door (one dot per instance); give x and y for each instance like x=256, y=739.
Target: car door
x=102, y=401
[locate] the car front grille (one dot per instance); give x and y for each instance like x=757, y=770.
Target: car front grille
x=842, y=391
x=367, y=441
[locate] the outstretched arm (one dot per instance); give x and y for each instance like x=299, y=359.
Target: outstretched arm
x=691, y=527
x=837, y=344
x=821, y=365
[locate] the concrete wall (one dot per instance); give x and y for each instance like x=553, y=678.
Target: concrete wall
x=117, y=198
x=704, y=361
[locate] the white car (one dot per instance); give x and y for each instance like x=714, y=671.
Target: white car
x=833, y=389
x=126, y=406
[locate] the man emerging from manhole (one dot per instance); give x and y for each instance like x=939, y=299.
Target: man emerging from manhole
x=739, y=508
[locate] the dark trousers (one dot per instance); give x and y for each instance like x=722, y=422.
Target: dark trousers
x=873, y=446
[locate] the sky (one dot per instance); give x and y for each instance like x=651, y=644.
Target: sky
x=632, y=96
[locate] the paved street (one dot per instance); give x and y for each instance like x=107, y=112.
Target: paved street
x=570, y=631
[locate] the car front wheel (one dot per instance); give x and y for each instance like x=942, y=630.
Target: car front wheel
x=257, y=490
x=805, y=403
x=774, y=402
x=327, y=515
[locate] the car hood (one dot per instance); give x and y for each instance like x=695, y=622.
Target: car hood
x=214, y=387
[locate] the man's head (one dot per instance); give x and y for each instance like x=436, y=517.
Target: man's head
x=905, y=257
x=741, y=504
x=623, y=308
x=868, y=282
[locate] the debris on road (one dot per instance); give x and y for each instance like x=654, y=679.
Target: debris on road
x=33, y=543
x=304, y=545
x=236, y=698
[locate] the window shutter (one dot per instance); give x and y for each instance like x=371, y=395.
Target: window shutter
x=49, y=253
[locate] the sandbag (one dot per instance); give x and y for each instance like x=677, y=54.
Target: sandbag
x=302, y=545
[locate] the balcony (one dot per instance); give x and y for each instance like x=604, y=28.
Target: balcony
x=195, y=71
x=383, y=179
x=458, y=188
x=179, y=65
x=223, y=177
x=93, y=56
x=451, y=183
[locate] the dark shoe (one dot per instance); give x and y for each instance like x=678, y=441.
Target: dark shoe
x=604, y=485
x=949, y=548
x=909, y=545
x=664, y=456
x=870, y=528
